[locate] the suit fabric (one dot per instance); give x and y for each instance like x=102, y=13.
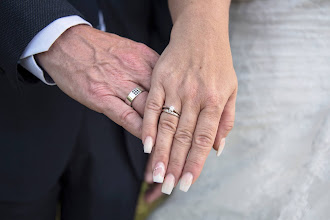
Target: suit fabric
x=53, y=148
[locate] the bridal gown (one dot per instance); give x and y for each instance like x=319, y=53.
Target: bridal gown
x=276, y=163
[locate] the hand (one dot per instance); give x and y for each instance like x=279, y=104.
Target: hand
x=99, y=70
x=195, y=75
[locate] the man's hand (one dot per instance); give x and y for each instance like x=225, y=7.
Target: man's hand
x=194, y=74
x=99, y=70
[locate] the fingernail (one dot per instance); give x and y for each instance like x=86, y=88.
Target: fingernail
x=186, y=181
x=168, y=184
x=221, y=146
x=148, y=143
x=159, y=172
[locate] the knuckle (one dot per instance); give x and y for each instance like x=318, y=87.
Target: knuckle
x=214, y=101
x=142, y=47
x=126, y=116
x=176, y=164
x=99, y=94
x=160, y=155
x=96, y=89
x=214, y=105
x=183, y=136
x=147, y=50
x=235, y=83
x=204, y=140
x=134, y=62
x=228, y=126
x=154, y=106
x=196, y=164
x=192, y=93
x=166, y=124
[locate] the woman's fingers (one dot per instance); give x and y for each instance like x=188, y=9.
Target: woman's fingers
x=154, y=189
x=180, y=147
x=166, y=129
x=204, y=136
x=226, y=124
x=148, y=170
x=129, y=117
x=153, y=109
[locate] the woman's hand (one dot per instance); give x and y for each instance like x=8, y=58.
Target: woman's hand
x=99, y=70
x=195, y=75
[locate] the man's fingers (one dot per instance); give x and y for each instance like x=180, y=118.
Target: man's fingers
x=125, y=116
x=149, y=59
x=153, y=109
x=180, y=147
x=139, y=103
x=149, y=54
x=226, y=124
x=203, y=140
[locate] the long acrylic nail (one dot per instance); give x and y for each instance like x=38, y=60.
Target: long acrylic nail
x=168, y=184
x=186, y=181
x=148, y=143
x=221, y=146
x=159, y=172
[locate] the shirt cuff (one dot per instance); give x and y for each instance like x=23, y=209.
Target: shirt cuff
x=43, y=41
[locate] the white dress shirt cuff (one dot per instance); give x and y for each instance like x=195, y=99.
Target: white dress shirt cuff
x=43, y=41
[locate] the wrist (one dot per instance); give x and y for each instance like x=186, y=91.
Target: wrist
x=201, y=40
x=70, y=35
x=201, y=24
x=73, y=45
x=200, y=35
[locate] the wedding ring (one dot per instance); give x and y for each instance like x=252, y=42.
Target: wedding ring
x=171, y=110
x=133, y=94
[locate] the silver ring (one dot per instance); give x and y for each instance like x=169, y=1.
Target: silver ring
x=133, y=94
x=171, y=110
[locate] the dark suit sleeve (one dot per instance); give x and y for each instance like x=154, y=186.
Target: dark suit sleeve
x=20, y=21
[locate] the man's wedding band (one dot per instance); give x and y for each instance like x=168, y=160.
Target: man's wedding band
x=171, y=110
x=133, y=94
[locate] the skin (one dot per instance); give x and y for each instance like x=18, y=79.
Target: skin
x=194, y=74
x=99, y=70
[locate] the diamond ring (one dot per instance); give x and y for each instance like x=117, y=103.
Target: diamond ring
x=171, y=110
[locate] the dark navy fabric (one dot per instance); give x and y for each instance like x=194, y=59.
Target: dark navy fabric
x=53, y=149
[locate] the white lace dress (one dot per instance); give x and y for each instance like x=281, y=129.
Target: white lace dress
x=276, y=164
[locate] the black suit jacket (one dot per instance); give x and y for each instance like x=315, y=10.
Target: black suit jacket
x=146, y=21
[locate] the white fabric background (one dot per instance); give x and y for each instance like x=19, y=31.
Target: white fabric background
x=276, y=164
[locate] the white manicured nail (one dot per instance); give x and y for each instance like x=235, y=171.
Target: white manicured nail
x=148, y=143
x=168, y=184
x=159, y=172
x=221, y=146
x=186, y=181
